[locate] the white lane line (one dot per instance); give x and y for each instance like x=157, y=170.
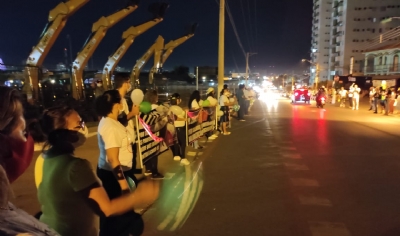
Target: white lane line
x=304, y=182
x=328, y=229
x=192, y=154
x=292, y=166
x=291, y=155
x=314, y=201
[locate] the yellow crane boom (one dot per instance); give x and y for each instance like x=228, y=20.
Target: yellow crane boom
x=128, y=38
x=168, y=49
x=99, y=30
x=155, y=49
x=57, y=19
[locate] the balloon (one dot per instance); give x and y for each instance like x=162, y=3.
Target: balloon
x=236, y=107
x=201, y=103
x=145, y=107
x=206, y=103
x=137, y=96
x=231, y=100
x=177, y=110
x=220, y=113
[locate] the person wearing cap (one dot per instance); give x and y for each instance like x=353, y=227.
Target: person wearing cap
x=210, y=97
x=180, y=131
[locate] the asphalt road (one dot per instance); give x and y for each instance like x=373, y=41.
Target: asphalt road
x=288, y=170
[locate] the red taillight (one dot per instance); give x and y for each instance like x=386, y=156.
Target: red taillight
x=296, y=94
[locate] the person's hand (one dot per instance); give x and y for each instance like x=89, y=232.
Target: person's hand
x=146, y=193
x=135, y=110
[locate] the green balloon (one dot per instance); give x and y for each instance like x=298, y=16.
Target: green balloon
x=206, y=103
x=145, y=107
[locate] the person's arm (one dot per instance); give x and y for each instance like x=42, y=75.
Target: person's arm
x=134, y=112
x=112, y=157
x=83, y=180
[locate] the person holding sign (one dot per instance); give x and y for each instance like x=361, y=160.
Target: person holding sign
x=194, y=106
x=115, y=163
x=224, y=103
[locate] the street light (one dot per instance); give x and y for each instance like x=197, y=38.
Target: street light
x=389, y=19
x=317, y=70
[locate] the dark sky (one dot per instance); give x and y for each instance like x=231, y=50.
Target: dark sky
x=279, y=31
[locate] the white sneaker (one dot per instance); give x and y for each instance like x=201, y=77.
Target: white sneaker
x=227, y=133
x=185, y=162
x=177, y=158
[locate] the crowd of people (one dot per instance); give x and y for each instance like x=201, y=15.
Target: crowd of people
x=381, y=100
x=71, y=194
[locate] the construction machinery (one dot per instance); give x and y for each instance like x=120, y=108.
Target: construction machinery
x=156, y=49
x=57, y=19
x=99, y=30
x=128, y=37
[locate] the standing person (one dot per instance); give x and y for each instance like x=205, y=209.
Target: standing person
x=356, y=96
x=180, y=130
x=383, y=103
x=343, y=95
x=241, y=98
x=193, y=105
x=98, y=89
x=211, y=110
x=224, y=103
x=247, y=97
x=123, y=85
x=397, y=103
x=115, y=162
x=350, y=95
x=377, y=98
x=334, y=92
x=392, y=100
x=371, y=98
x=16, y=152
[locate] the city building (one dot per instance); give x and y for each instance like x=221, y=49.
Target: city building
x=341, y=29
x=383, y=64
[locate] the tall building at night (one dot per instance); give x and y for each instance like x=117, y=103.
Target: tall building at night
x=340, y=31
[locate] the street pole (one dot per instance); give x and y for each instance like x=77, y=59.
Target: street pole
x=221, y=46
x=197, y=78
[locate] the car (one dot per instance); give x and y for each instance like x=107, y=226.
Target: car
x=301, y=95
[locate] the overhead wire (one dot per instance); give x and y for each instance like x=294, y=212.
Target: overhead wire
x=250, y=25
x=228, y=10
x=245, y=25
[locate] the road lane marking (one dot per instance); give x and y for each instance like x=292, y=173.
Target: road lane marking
x=328, y=229
x=304, y=182
x=292, y=166
x=291, y=155
x=314, y=201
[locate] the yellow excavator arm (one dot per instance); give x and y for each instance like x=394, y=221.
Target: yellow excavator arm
x=156, y=48
x=169, y=47
x=99, y=30
x=128, y=38
x=57, y=19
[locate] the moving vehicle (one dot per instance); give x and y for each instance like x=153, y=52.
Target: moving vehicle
x=301, y=95
x=321, y=99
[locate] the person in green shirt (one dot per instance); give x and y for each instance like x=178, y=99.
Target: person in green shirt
x=69, y=192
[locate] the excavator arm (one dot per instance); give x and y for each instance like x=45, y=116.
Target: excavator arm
x=57, y=19
x=158, y=46
x=99, y=30
x=169, y=48
x=128, y=38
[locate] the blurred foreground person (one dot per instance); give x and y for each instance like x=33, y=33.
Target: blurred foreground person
x=69, y=192
x=16, y=152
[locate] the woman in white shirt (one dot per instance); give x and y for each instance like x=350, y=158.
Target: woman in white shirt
x=194, y=105
x=224, y=103
x=115, y=160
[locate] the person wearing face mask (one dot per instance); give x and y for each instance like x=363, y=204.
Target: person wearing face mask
x=69, y=192
x=99, y=89
x=16, y=152
x=224, y=103
x=123, y=84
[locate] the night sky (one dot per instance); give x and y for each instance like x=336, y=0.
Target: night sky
x=279, y=31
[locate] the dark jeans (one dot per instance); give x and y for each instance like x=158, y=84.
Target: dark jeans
x=242, y=110
x=126, y=224
x=152, y=164
x=376, y=102
x=181, y=133
x=351, y=101
x=247, y=106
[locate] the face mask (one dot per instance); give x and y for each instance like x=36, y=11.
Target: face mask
x=18, y=157
x=81, y=137
x=99, y=85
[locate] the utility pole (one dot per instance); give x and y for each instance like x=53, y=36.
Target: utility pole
x=247, y=64
x=221, y=46
x=197, y=78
